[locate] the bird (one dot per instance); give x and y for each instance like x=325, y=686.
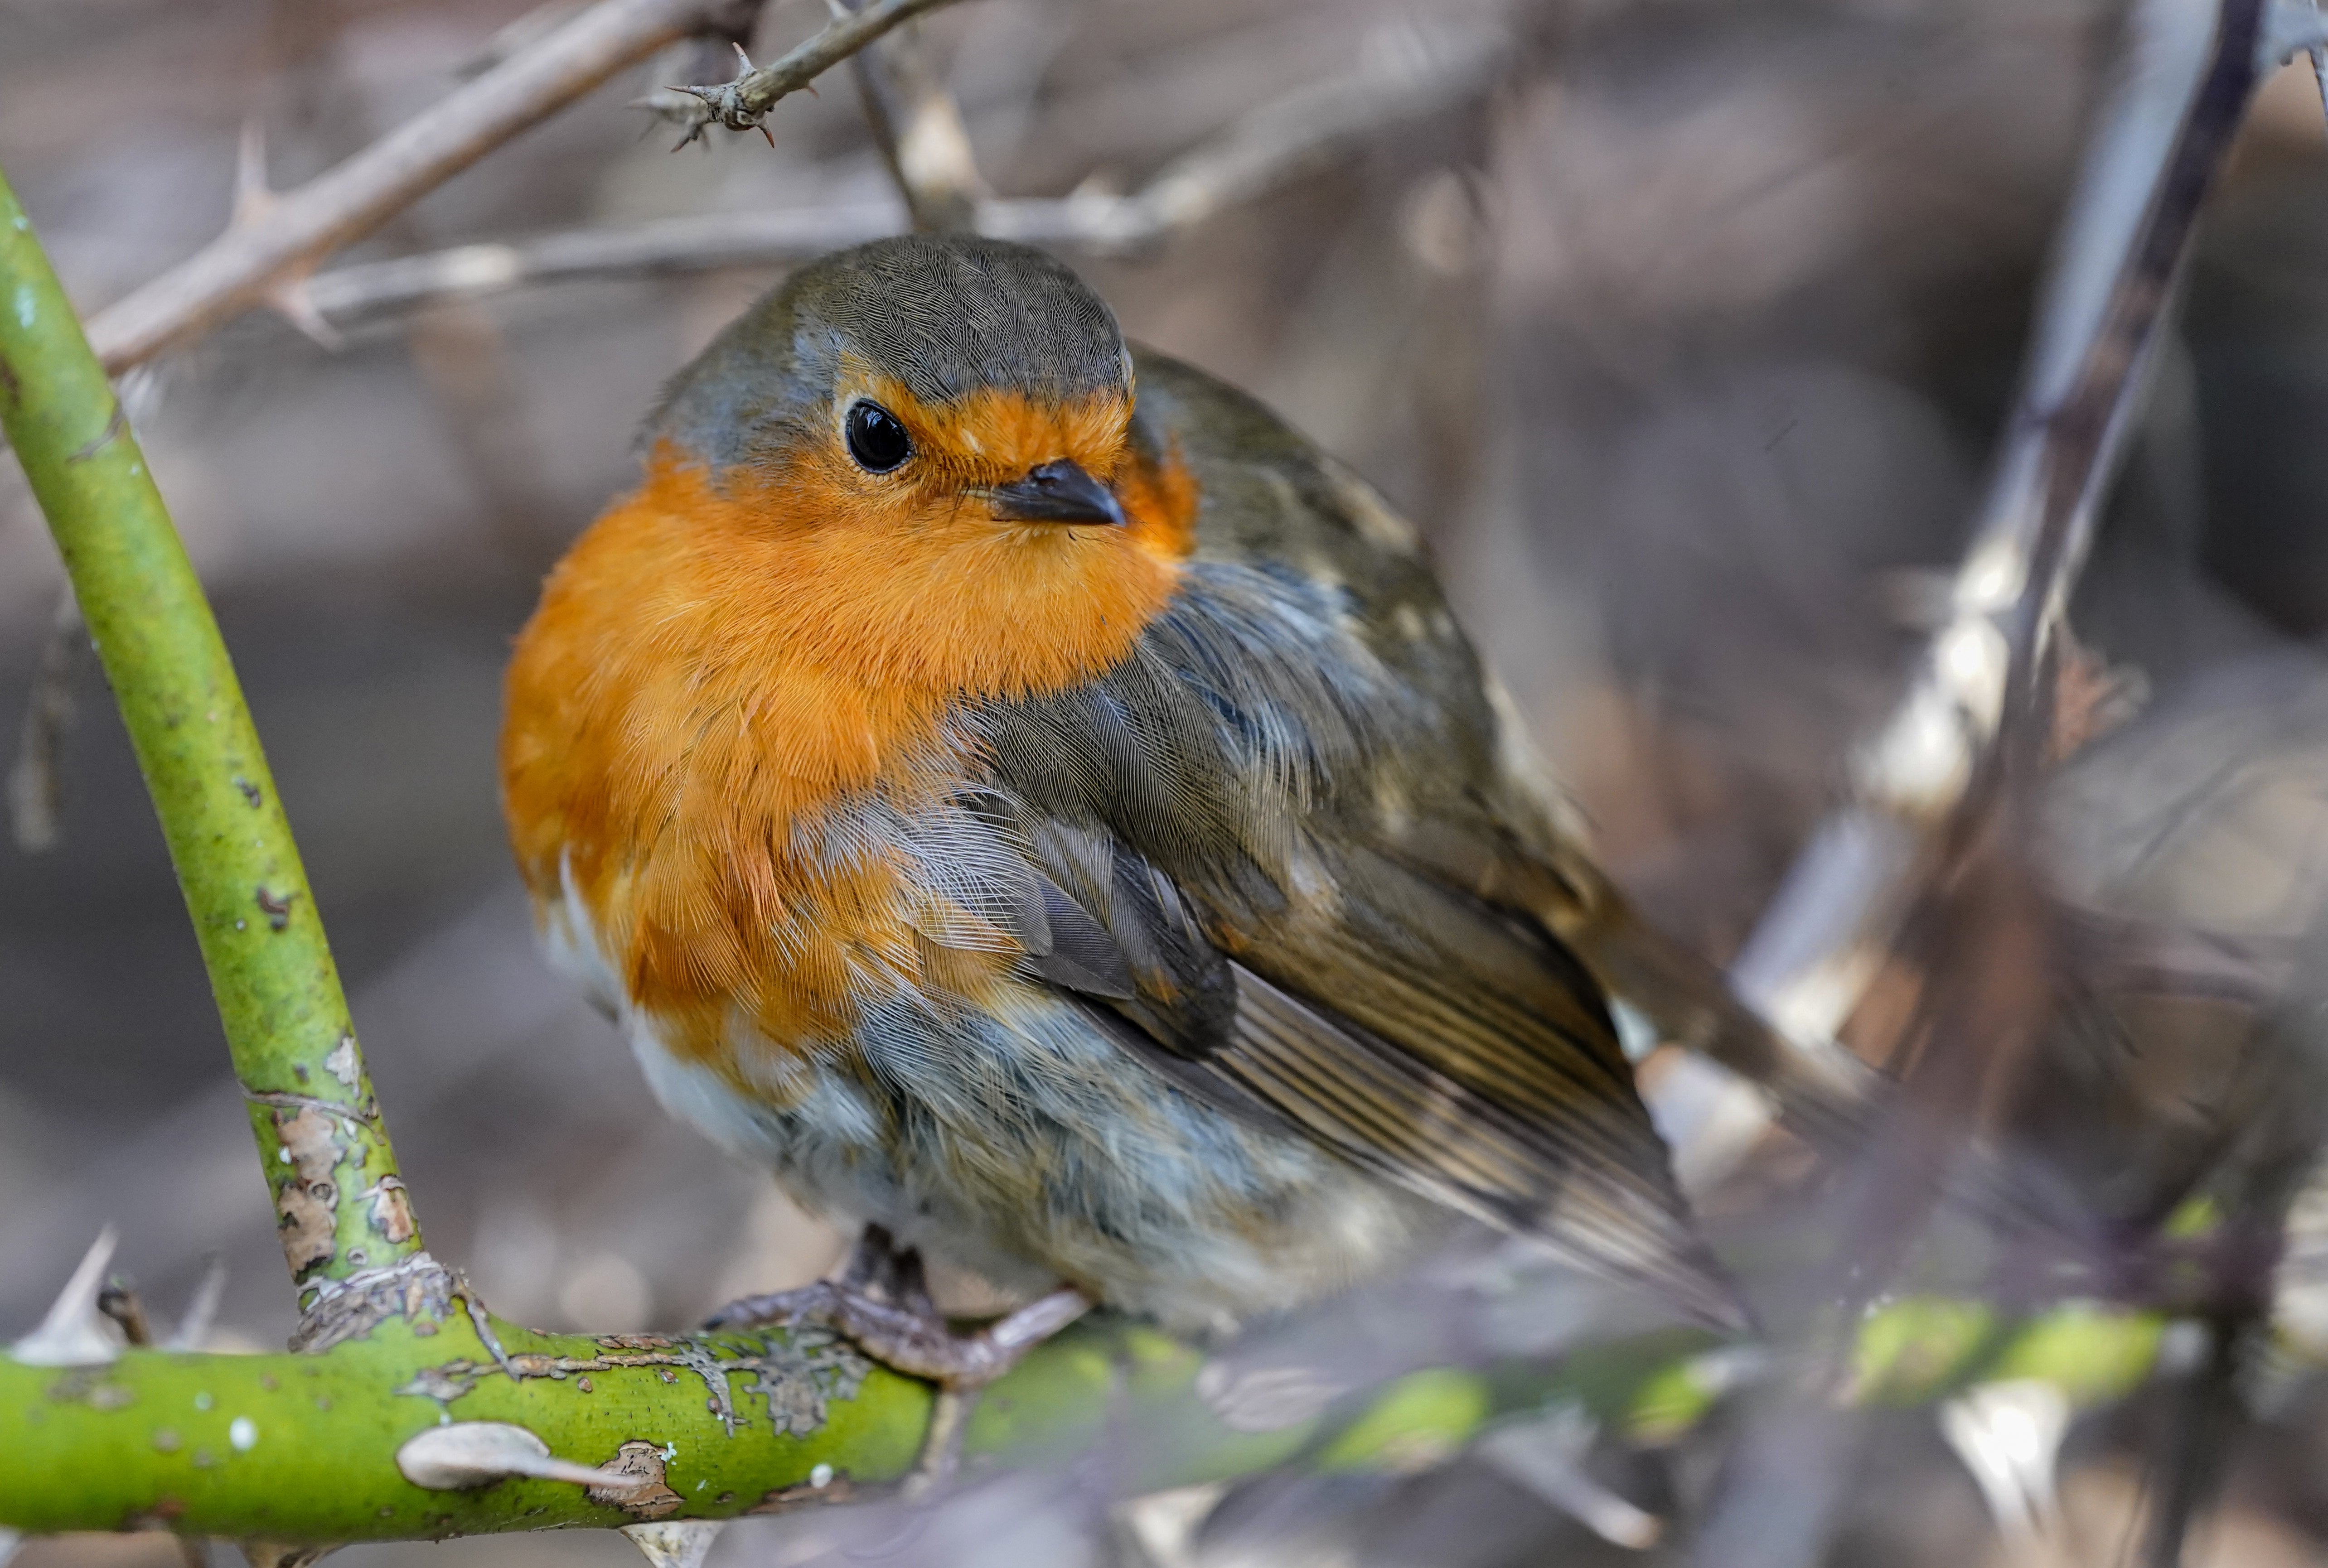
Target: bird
x=1013, y=787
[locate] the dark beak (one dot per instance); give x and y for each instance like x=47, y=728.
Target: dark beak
x=1058, y=493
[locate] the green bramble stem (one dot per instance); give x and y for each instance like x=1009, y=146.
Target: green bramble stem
x=304, y=1447
x=339, y=1202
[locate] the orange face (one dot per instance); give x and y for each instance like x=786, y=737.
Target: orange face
x=917, y=577
x=719, y=661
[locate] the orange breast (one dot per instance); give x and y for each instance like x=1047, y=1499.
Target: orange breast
x=719, y=676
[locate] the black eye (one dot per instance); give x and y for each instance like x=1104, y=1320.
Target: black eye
x=876, y=440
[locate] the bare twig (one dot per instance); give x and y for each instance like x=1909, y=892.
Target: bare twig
x=705, y=54
x=36, y=783
x=267, y=253
x=456, y=346
x=741, y=104
x=1265, y=149
x=513, y=38
x=677, y=245
x=273, y=243
x=918, y=127
x=1978, y=704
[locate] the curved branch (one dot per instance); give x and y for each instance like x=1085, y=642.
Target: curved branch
x=339, y=1201
x=278, y=237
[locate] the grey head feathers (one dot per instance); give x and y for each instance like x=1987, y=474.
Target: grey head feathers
x=944, y=314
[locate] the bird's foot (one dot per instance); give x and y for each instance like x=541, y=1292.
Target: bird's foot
x=881, y=1303
x=918, y=1343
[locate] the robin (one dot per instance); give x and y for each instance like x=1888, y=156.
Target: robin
x=1014, y=786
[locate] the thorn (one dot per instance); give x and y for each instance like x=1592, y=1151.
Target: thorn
x=468, y=1454
x=675, y=1543
x=139, y=389
x=75, y=1333
x=2008, y=1435
x=293, y=301
x=764, y=131
x=748, y=67
x=201, y=1309
x=253, y=198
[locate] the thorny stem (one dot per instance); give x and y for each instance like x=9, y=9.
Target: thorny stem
x=741, y=105
x=270, y=247
x=1260, y=152
x=305, y=1448
x=339, y=1201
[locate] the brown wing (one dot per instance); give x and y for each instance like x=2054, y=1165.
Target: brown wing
x=1224, y=830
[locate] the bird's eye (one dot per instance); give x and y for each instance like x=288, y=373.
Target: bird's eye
x=876, y=440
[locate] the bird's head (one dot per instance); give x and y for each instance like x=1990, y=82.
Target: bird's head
x=915, y=462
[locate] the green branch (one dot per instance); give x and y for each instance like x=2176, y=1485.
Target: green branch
x=338, y=1200
x=307, y=1447
x=317, y=1448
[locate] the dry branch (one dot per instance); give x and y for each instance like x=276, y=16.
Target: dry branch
x=1267, y=148
x=918, y=127
x=276, y=240
x=1977, y=708
x=741, y=104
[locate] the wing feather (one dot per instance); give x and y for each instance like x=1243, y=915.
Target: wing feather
x=1276, y=855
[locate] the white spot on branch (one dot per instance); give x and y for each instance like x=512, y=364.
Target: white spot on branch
x=468, y=1454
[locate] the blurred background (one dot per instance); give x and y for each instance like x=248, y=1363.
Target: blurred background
x=1685, y=339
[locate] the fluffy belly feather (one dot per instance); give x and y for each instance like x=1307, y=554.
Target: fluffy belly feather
x=1013, y=1137
x=1020, y=1143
